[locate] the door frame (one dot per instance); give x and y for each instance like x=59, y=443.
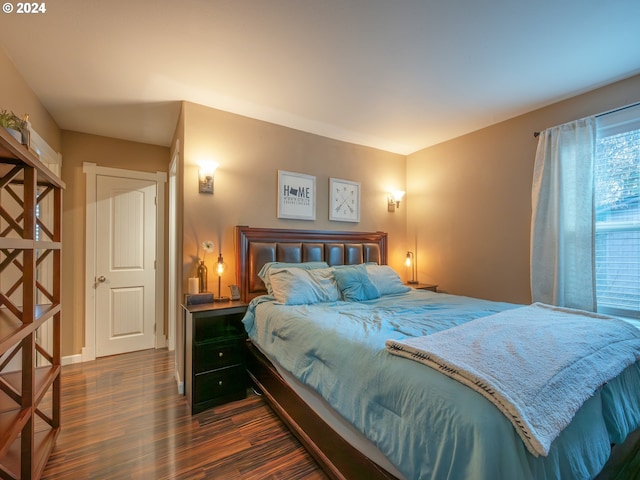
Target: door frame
x=174, y=272
x=91, y=171
x=173, y=280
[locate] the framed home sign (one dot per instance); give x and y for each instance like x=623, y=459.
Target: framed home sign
x=344, y=200
x=296, y=196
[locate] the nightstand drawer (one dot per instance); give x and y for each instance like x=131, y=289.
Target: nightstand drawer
x=218, y=327
x=219, y=384
x=218, y=354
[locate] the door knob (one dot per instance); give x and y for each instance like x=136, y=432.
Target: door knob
x=102, y=279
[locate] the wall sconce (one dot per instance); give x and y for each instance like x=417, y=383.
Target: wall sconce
x=220, y=267
x=205, y=177
x=410, y=262
x=393, y=200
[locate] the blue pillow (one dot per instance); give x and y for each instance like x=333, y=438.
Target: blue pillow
x=354, y=283
x=298, y=286
x=264, y=271
x=386, y=280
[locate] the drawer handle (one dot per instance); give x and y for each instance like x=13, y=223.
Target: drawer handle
x=220, y=383
x=220, y=354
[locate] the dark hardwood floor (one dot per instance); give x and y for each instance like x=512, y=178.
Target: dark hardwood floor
x=122, y=418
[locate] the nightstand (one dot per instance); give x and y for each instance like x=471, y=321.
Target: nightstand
x=424, y=286
x=214, y=350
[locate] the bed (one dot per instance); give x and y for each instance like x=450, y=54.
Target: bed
x=347, y=441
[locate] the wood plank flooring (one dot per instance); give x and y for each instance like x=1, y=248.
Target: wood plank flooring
x=122, y=418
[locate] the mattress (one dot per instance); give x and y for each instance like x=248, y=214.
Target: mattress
x=426, y=424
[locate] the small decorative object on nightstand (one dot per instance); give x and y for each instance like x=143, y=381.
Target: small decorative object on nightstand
x=410, y=263
x=214, y=363
x=220, y=269
x=202, y=277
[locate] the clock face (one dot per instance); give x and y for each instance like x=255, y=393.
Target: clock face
x=344, y=202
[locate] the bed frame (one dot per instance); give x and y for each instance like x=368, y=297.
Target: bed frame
x=339, y=460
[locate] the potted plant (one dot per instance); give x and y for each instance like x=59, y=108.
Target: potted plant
x=12, y=124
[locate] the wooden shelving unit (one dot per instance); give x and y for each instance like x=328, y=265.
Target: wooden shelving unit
x=30, y=257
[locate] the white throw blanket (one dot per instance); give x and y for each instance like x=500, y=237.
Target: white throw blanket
x=538, y=364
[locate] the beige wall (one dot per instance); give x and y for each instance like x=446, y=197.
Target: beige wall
x=466, y=213
x=105, y=152
x=249, y=153
x=17, y=96
x=469, y=199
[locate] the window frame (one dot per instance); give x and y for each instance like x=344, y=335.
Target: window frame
x=610, y=124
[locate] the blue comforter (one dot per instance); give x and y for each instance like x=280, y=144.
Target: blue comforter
x=427, y=424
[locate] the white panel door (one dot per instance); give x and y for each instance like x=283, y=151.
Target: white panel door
x=125, y=265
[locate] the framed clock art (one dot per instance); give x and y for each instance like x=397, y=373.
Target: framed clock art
x=344, y=200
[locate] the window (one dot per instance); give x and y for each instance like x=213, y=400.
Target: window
x=617, y=216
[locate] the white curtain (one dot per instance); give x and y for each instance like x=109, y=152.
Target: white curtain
x=562, y=222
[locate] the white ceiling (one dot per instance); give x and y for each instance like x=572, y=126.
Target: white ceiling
x=398, y=75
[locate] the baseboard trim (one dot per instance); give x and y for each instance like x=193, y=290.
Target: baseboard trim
x=68, y=360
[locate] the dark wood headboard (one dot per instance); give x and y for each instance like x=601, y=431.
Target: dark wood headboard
x=257, y=246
